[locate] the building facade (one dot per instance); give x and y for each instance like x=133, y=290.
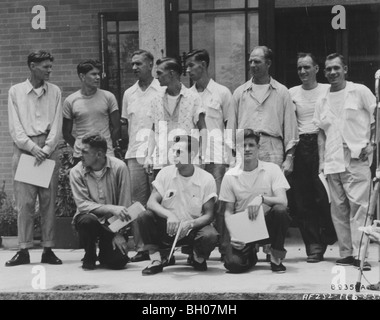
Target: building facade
x=110, y=30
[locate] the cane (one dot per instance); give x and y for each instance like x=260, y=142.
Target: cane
x=374, y=200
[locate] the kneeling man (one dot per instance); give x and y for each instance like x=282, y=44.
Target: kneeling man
x=247, y=187
x=101, y=189
x=185, y=195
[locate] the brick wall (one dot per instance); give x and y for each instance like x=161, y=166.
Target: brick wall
x=71, y=34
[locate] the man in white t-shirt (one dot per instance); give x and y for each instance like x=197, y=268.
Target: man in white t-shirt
x=311, y=205
x=136, y=105
x=216, y=100
x=183, y=195
x=256, y=183
x=89, y=109
x=345, y=117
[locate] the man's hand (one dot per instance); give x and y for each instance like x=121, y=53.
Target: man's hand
x=39, y=154
x=148, y=165
x=121, y=212
x=119, y=242
x=253, y=208
x=287, y=165
x=172, y=224
x=237, y=244
x=374, y=234
x=186, y=228
x=366, y=151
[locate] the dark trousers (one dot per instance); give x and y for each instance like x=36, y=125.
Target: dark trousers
x=153, y=233
x=277, y=221
x=90, y=231
x=312, y=209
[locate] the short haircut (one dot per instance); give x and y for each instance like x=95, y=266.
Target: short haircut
x=301, y=55
x=192, y=143
x=39, y=56
x=171, y=64
x=250, y=134
x=334, y=55
x=87, y=65
x=268, y=53
x=95, y=140
x=147, y=55
x=199, y=55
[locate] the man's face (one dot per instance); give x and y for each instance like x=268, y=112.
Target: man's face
x=91, y=79
x=307, y=71
x=41, y=70
x=259, y=66
x=335, y=72
x=164, y=76
x=89, y=156
x=181, y=155
x=195, y=68
x=141, y=66
x=251, y=150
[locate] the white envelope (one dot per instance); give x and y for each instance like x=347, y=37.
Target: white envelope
x=39, y=176
x=134, y=210
x=243, y=229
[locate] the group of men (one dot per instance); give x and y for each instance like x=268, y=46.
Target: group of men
x=197, y=156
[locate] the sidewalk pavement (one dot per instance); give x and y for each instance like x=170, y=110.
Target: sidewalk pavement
x=323, y=280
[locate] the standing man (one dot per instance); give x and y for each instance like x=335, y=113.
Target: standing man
x=90, y=108
x=216, y=100
x=253, y=184
x=101, y=190
x=264, y=105
x=183, y=194
x=35, y=124
x=345, y=117
x=136, y=105
x=178, y=111
x=312, y=207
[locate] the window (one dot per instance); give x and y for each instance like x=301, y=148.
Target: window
x=227, y=29
x=119, y=39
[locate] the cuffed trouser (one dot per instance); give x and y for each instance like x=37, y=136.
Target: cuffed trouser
x=312, y=208
x=277, y=221
x=140, y=185
x=90, y=230
x=218, y=171
x=25, y=200
x=350, y=191
x=153, y=232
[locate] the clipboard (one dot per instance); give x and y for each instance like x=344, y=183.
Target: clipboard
x=243, y=229
x=39, y=176
x=134, y=210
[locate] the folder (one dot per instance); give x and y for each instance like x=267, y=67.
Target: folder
x=39, y=176
x=243, y=229
x=134, y=210
x=322, y=177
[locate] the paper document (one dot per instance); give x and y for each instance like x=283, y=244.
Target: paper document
x=322, y=177
x=39, y=176
x=243, y=229
x=134, y=210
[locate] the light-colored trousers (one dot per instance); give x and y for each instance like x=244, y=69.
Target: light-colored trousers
x=25, y=198
x=350, y=192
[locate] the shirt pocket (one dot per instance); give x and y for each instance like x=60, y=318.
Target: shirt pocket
x=351, y=111
x=169, y=198
x=214, y=110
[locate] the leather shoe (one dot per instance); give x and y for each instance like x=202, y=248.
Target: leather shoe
x=19, y=258
x=88, y=265
x=313, y=258
x=202, y=266
x=140, y=256
x=167, y=263
x=50, y=258
x=152, y=269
